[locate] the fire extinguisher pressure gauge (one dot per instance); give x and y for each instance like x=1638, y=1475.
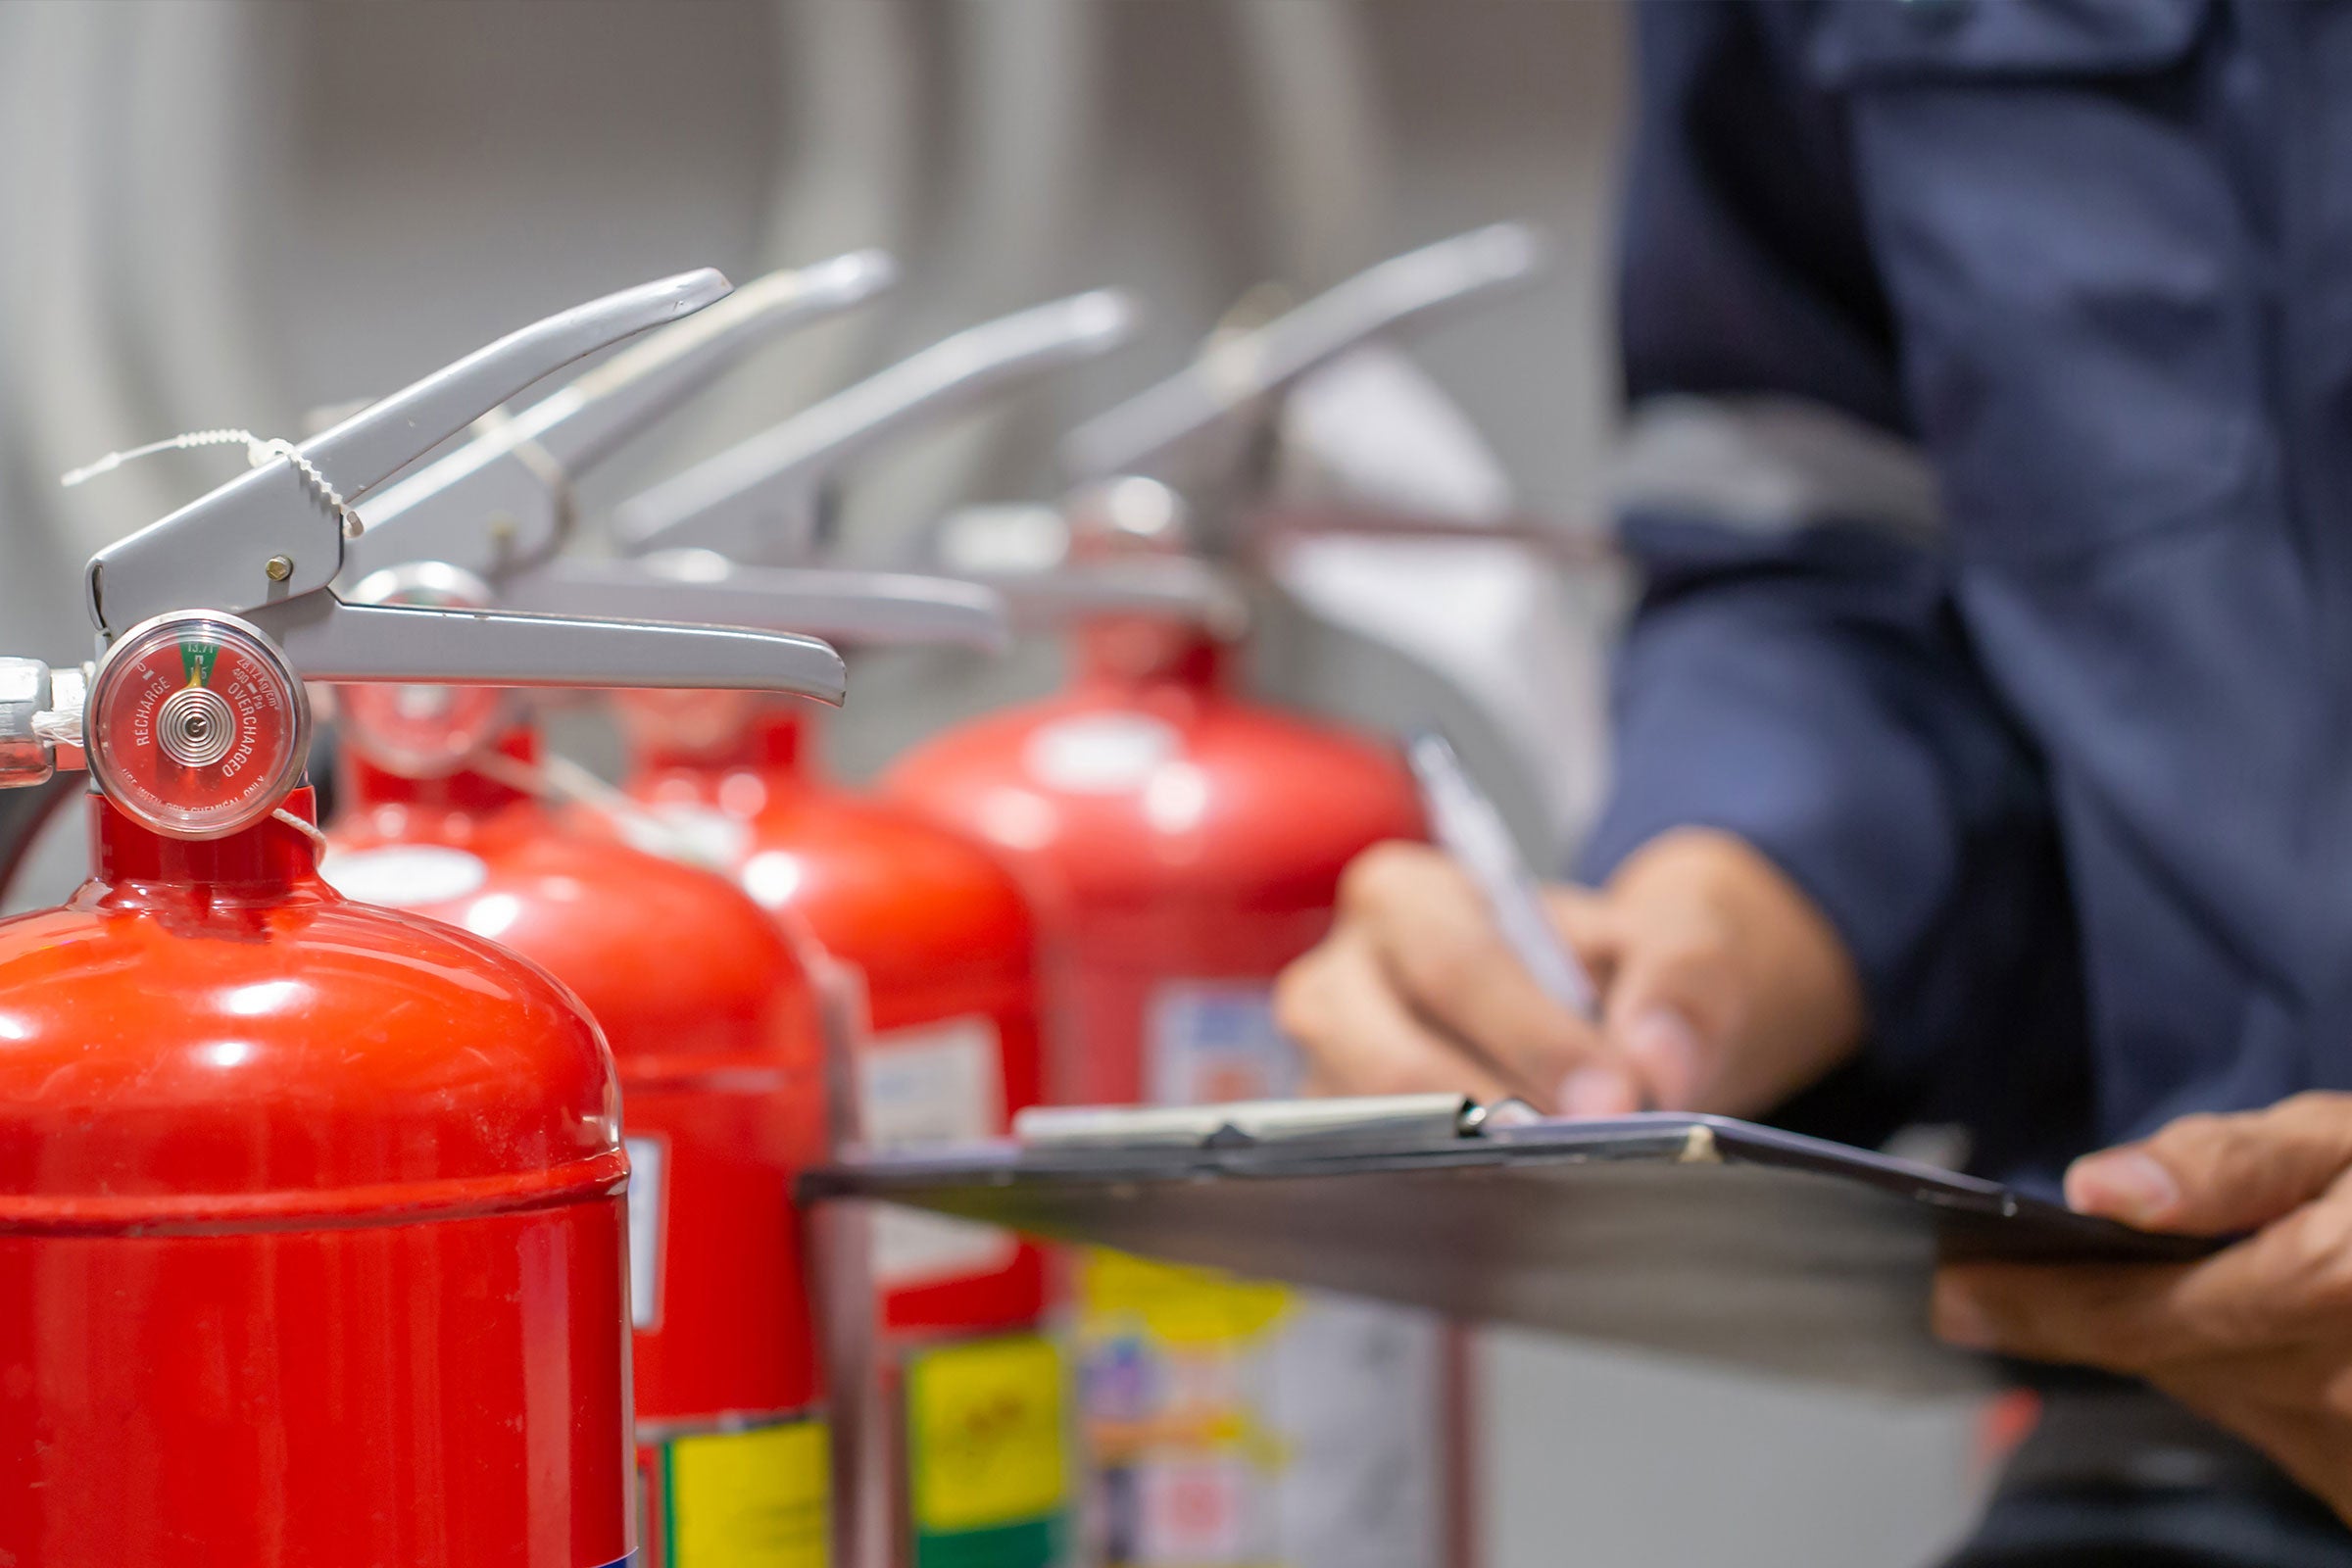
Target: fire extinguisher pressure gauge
x=197, y=727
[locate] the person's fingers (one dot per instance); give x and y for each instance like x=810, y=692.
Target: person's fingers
x=1434, y=934
x=1670, y=1002
x=1731, y=990
x=2286, y=1284
x=2299, y=1377
x=2290, y=1281
x=1359, y=1038
x=1590, y=926
x=2282, y=1406
x=1593, y=930
x=2115, y=1316
x=2214, y=1175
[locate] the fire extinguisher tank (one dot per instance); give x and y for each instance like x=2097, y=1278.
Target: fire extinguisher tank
x=316, y=1219
x=1168, y=829
x=930, y=926
x=310, y=1217
x=935, y=928
x=714, y=1030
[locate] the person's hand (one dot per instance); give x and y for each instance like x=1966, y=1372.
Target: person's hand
x=1723, y=987
x=2257, y=1338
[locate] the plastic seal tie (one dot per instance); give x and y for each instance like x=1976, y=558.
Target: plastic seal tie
x=258, y=451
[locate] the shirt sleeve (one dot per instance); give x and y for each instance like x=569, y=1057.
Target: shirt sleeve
x=1795, y=673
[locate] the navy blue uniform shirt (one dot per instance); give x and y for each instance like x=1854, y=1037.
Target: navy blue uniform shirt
x=1989, y=458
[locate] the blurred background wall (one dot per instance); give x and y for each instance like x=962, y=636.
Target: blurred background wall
x=225, y=213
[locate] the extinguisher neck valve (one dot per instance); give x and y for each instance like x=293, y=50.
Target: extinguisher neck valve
x=1117, y=549
x=40, y=721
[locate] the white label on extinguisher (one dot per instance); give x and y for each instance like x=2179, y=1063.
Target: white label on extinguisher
x=403, y=876
x=684, y=830
x=1211, y=1041
x=924, y=1088
x=1099, y=753
x=649, y=1159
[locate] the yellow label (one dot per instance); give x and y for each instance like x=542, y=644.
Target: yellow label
x=984, y=1430
x=749, y=1499
x=1185, y=1306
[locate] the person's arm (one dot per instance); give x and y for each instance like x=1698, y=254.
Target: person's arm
x=2257, y=1338
x=1820, y=828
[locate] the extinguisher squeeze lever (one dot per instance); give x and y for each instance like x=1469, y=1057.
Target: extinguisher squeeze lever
x=759, y=501
x=1241, y=374
x=265, y=538
x=502, y=503
x=264, y=547
x=515, y=473
x=1121, y=462
x=194, y=719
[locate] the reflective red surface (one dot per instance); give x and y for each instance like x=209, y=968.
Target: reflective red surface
x=715, y=1031
x=1166, y=828
x=934, y=923
x=311, y=1229
x=1181, y=846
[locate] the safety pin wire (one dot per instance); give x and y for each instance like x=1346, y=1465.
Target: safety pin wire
x=557, y=777
x=258, y=452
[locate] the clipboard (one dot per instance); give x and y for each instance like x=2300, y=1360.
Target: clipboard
x=1696, y=1237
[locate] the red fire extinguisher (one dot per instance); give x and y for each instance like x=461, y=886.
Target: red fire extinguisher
x=710, y=1015
x=933, y=928
x=312, y=1215
x=1185, y=844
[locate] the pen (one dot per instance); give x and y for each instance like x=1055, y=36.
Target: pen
x=1469, y=828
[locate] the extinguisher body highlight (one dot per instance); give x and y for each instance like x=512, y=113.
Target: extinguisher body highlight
x=314, y=1217
x=311, y=1229
x=1182, y=844
x=935, y=935
x=714, y=1032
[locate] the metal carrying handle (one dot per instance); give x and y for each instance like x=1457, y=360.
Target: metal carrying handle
x=1242, y=371
x=893, y=607
x=1170, y=588
x=758, y=499
x=40, y=712
x=501, y=503
x=329, y=640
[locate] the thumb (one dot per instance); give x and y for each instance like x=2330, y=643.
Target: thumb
x=2214, y=1175
x=1663, y=1022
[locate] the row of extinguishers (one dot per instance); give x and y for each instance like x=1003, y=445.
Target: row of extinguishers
x=326, y=1217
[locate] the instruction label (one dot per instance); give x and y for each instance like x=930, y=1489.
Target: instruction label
x=403, y=876
x=1232, y=1423
x=755, y=1499
x=922, y=1088
x=1209, y=1040
x=1100, y=754
x=987, y=1472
